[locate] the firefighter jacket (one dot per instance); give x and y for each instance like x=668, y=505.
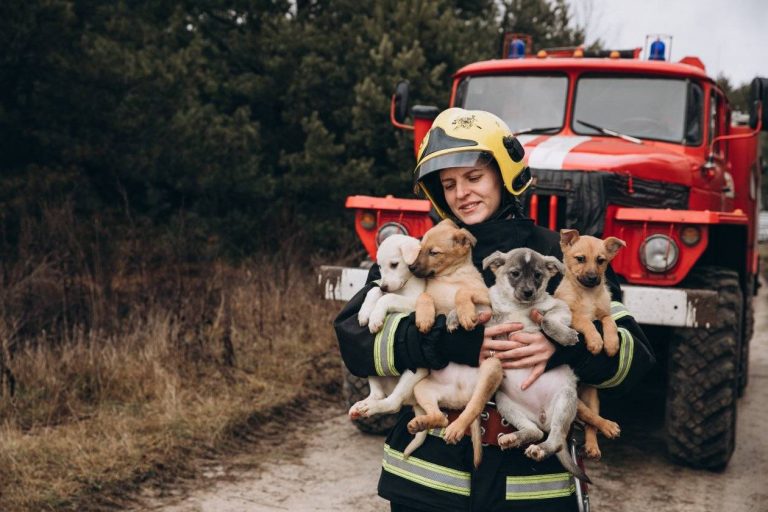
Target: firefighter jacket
x=438, y=476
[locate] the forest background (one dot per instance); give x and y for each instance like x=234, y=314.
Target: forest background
x=171, y=172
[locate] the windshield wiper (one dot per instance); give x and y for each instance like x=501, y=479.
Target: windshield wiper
x=526, y=131
x=612, y=133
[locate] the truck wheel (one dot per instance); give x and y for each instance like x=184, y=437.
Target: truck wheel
x=355, y=389
x=703, y=378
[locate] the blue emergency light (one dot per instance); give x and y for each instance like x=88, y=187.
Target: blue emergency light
x=658, y=50
x=516, y=49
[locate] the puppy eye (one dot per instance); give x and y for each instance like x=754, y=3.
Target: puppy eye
x=600, y=260
x=537, y=275
x=515, y=273
x=393, y=265
x=581, y=259
x=433, y=252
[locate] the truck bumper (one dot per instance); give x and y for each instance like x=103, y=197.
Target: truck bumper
x=674, y=307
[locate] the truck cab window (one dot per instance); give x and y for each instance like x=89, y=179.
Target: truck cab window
x=714, y=120
x=693, y=115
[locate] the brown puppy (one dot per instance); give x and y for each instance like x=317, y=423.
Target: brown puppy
x=586, y=293
x=445, y=260
x=454, y=288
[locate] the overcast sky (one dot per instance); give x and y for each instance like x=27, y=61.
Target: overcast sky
x=730, y=37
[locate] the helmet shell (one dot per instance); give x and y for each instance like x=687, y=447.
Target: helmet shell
x=467, y=138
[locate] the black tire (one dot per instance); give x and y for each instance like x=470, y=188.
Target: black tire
x=356, y=389
x=703, y=378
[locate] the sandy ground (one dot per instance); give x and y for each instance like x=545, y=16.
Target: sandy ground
x=330, y=466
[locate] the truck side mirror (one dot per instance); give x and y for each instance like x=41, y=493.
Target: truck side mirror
x=401, y=101
x=758, y=93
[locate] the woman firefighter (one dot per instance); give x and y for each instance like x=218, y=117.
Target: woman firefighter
x=471, y=169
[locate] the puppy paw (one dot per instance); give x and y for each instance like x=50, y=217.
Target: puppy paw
x=592, y=451
x=362, y=319
x=594, y=344
x=454, y=433
x=560, y=333
x=535, y=452
x=610, y=429
x=452, y=321
x=571, y=337
x=359, y=410
x=424, y=325
x=508, y=441
x=611, y=345
x=425, y=422
x=375, y=323
x=468, y=320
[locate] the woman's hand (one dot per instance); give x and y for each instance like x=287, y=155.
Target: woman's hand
x=520, y=349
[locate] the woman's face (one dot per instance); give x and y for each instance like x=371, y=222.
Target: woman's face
x=472, y=193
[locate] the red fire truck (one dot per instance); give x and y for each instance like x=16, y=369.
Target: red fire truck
x=649, y=151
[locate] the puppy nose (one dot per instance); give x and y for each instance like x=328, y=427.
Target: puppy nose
x=592, y=278
x=527, y=293
x=412, y=268
x=384, y=288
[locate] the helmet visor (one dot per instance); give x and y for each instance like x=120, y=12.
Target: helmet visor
x=455, y=159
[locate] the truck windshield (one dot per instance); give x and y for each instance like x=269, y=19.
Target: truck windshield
x=648, y=108
x=524, y=102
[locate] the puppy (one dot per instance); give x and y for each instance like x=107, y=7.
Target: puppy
x=453, y=283
x=585, y=291
x=549, y=404
x=397, y=292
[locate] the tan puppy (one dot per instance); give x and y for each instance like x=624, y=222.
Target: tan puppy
x=585, y=291
x=453, y=282
x=454, y=288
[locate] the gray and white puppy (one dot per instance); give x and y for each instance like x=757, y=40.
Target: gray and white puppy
x=550, y=403
x=522, y=276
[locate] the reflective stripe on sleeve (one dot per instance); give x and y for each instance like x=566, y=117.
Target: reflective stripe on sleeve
x=384, y=347
x=425, y=473
x=556, y=485
x=625, y=360
x=619, y=310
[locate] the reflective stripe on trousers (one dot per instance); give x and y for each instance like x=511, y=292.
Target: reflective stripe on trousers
x=538, y=487
x=426, y=473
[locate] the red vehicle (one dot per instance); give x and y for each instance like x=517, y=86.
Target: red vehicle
x=649, y=151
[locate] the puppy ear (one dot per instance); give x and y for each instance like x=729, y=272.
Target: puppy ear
x=612, y=245
x=449, y=222
x=410, y=251
x=464, y=237
x=494, y=261
x=553, y=265
x=568, y=237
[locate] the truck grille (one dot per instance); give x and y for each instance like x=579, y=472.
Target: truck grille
x=577, y=199
x=547, y=210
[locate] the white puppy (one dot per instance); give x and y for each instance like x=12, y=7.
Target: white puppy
x=397, y=293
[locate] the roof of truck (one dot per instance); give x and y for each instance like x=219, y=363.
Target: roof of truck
x=604, y=65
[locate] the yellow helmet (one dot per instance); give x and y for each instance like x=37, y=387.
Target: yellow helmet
x=468, y=138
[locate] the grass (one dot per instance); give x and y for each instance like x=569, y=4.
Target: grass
x=119, y=375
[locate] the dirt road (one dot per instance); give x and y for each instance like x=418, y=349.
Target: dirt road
x=332, y=467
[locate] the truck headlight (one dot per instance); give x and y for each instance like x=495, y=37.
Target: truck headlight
x=389, y=229
x=659, y=253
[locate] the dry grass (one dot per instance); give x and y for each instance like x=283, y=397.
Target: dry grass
x=126, y=374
